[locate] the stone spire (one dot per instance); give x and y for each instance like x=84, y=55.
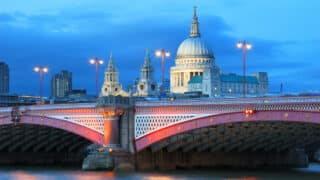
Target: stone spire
x=147, y=68
x=146, y=85
x=111, y=67
x=195, y=32
x=146, y=59
x=111, y=84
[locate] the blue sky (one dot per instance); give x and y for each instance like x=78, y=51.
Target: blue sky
x=65, y=34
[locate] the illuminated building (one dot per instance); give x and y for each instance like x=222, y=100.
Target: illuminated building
x=195, y=70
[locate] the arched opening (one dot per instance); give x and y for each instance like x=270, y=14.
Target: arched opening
x=240, y=144
x=40, y=145
x=299, y=118
x=262, y=136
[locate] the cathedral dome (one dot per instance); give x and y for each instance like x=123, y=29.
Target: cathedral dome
x=194, y=47
x=194, y=50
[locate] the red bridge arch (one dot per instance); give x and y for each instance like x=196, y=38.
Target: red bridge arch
x=78, y=129
x=213, y=120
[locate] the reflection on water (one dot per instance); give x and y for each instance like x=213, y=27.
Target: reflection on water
x=22, y=175
x=313, y=172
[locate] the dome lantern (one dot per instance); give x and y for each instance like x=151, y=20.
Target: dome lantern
x=194, y=31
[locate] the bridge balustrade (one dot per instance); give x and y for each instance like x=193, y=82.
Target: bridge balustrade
x=5, y=109
x=212, y=108
x=86, y=115
x=208, y=101
x=153, y=115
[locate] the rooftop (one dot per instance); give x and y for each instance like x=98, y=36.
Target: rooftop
x=195, y=79
x=234, y=78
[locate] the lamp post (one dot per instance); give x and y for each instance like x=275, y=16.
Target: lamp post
x=41, y=70
x=162, y=53
x=244, y=45
x=96, y=61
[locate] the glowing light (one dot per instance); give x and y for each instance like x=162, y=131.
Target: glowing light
x=248, y=46
x=158, y=53
x=92, y=61
x=249, y=111
x=244, y=44
x=100, y=61
x=167, y=54
x=110, y=150
x=36, y=69
x=239, y=45
x=45, y=69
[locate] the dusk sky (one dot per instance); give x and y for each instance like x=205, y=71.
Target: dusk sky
x=65, y=34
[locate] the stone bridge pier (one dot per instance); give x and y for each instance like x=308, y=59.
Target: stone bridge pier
x=118, y=126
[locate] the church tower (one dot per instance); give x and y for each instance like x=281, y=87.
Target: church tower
x=146, y=86
x=111, y=85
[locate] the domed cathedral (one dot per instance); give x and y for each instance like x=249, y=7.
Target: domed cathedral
x=146, y=86
x=195, y=71
x=195, y=64
x=111, y=85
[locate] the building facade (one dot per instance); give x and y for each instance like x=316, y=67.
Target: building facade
x=195, y=70
x=61, y=84
x=4, y=78
x=74, y=96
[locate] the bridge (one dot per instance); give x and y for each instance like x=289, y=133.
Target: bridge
x=180, y=123
x=154, y=129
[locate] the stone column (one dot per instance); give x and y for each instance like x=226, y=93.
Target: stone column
x=111, y=125
x=111, y=131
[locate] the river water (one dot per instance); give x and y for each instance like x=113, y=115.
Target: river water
x=25, y=173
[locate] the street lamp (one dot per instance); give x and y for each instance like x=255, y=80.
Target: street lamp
x=96, y=61
x=41, y=70
x=244, y=45
x=162, y=53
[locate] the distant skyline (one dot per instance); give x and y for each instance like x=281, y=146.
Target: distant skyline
x=64, y=35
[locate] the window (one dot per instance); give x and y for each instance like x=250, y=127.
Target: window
x=153, y=87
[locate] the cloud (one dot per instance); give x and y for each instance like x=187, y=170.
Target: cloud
x=57, y=22
x=66, y=40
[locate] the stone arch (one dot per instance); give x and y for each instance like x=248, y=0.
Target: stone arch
x=85, y=132
x=234, y=117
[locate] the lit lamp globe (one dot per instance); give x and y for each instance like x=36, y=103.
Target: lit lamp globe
x=158, y=53
x=45, y=69
x=92, y=61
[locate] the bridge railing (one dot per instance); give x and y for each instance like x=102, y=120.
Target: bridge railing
x=5, y=109
x=209, y=101
x=59, y=106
